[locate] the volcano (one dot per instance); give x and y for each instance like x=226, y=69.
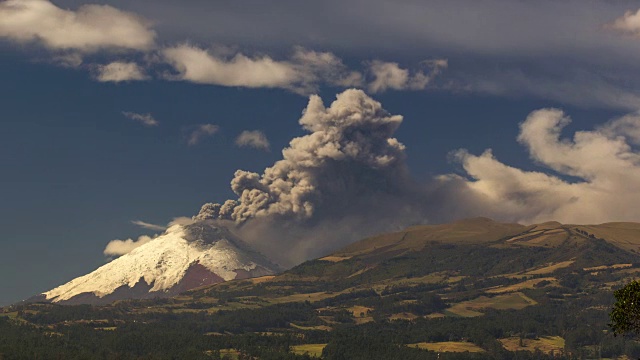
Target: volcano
x=184, y=257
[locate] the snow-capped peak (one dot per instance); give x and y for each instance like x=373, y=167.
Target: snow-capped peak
x=163, y=262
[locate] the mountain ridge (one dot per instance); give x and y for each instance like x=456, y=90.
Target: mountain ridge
x=184, y=257
x=349, y=264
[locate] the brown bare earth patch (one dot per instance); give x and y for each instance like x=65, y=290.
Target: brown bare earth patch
x=546, y=344
x=313, y=350
x=403, y=316
x=262, y=279
x=357, y=310
x=336, y=258
x=525, y=235
x=549, y=225
x=528, y=284
x=605, y=267
x=449, y=346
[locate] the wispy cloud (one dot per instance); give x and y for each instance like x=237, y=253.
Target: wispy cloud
x=119, y=71
x=389, y=75
x=253, y=138
x=629, y=23
x=581, y=86
x=197, y=133
x=149, y=226
x=144, y=119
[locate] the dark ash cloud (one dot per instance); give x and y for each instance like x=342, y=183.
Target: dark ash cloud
x=345, y=179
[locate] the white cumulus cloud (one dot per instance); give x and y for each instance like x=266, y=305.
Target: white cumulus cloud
x=629, y=23
x=302, y=73
x=87, y=29
x=200, y=66
x=253, y=138
x=122, y=247
x=603, y=161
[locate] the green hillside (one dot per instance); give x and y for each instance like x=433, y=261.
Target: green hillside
x=467, y=290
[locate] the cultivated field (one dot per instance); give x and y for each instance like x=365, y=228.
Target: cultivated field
x=314, y=350
x=449, y=346
x=546, y=344
x=472, y=308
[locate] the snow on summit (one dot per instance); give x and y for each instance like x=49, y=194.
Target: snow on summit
x=184, y=257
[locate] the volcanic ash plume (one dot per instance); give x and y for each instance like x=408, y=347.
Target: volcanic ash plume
x=349, y=153
x=346, y=179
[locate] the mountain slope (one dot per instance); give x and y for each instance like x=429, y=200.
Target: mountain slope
x=468, y=231
x=476, y=251
x=182, y=258
x=505, y=290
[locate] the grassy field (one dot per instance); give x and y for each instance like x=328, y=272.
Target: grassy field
x=318, y=327
x=435, y=316
x=546, y=344
x=433, y=278
x=363, y=320
x=357, y=310
x=472, y=308
x=10, y=315
x=314, y=350
x=550, y=238
x=462, y=311
x=528, y=284
x=449, y=346
x=336, y=258
x=311, y=297
x=231, y=353
x=468, y=231
x=403, y=316
x=623, y=235
x=550, y=268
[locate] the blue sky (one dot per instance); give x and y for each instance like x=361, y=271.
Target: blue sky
x=78, y=164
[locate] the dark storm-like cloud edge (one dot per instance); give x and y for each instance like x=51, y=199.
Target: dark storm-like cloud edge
x=490, y=45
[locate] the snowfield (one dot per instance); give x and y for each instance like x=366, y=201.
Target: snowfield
x=162, y=262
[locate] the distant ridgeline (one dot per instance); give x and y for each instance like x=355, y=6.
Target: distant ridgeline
x=473, y=289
